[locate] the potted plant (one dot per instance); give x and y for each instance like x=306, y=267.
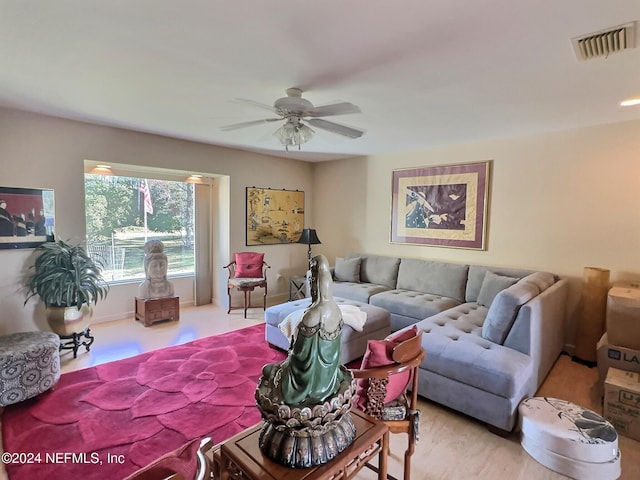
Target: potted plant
x=68, y=282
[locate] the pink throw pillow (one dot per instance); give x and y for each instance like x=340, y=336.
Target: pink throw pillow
x=379, y=353
x=249, y=265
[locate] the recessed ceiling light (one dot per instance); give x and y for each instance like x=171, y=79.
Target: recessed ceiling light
x=194, y=178
x=629, y=102
x=102, y=170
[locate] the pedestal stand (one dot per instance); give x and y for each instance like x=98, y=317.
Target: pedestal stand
x=152, y=310
x=75, y=340
x=594, y=311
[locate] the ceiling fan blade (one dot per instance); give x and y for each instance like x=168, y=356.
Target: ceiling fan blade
x=341, y=108
x=251, y=123
x=336, y=128
x=254, y=103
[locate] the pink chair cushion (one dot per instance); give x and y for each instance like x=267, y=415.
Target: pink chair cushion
x=379, y=353
x=249, y=265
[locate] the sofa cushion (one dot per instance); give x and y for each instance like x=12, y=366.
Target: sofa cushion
x=476, y=277
x=347, y=270
x=357, y=291
x=491, y=285
x=456, y=350
x=378, y=269
x=542, y=280
x=412, y=304
x=437, y=278
x=504, y=309
x=379, y=353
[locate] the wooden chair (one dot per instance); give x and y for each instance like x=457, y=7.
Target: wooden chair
x=247, y=272
x=174, y=465
x=401, y=415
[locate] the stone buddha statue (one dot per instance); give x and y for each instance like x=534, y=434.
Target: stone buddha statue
x=155, y=267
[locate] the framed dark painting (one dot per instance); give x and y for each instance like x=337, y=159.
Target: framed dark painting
x=442, y=205
x=274, y=216
x=27, y=217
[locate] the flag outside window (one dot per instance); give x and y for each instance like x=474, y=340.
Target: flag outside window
x=144, y=188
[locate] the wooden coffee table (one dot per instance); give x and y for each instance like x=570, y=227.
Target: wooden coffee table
x=240, y=458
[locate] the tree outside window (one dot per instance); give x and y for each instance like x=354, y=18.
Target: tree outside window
x=117, y=227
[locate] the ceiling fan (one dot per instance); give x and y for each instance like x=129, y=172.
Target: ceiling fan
x=297, y=112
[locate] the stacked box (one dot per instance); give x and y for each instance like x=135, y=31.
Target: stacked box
x=617, y=357
x=623, y=315
x=622, y=401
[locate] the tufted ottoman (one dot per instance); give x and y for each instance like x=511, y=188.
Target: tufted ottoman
x=354, y=343
x=29, y=365
x=569, y=439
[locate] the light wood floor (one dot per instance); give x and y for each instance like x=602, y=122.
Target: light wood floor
x=452, y=446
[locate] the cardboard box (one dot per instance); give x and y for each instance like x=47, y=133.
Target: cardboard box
x=623, y=315
x=622, y=401
x=617, y=357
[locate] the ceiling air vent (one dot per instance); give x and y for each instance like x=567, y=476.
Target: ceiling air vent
x=605, y=42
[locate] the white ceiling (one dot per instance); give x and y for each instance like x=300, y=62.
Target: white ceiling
x=424, y=72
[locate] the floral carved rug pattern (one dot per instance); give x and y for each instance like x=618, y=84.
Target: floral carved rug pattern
x=107, y=421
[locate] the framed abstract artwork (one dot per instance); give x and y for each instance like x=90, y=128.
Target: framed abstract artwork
x=274, y=216
x=27, y=217
x=443, y=206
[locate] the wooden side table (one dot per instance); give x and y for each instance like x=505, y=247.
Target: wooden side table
x=297, y=287
x=240, y=457
x=152, y=310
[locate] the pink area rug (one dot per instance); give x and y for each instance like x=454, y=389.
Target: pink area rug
x=109, y=420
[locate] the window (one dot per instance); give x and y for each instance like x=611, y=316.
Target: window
x=122, y=213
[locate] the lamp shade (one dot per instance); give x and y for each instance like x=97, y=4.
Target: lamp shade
x=309, y=237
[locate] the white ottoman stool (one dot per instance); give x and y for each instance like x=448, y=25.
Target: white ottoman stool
x=354, y=343
x=569, y=439
x=29, y=365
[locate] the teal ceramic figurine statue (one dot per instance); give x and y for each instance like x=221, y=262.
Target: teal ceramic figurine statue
x=306, y=398
x=312, y=373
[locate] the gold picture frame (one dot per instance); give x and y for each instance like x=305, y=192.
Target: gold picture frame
x=274, y=216
x=442, y=205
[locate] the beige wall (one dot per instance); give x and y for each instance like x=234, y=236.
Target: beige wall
x=38, y=151
x=558, y=202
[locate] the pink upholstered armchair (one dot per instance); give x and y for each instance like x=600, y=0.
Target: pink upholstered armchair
x=246, y=272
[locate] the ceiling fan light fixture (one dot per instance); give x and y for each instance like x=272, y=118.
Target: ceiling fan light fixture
x=293, y=109
x=293, y=133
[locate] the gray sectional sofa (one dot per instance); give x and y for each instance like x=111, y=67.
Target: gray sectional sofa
x=491, y=334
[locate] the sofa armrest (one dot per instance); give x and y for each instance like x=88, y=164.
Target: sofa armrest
x=538, y=330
